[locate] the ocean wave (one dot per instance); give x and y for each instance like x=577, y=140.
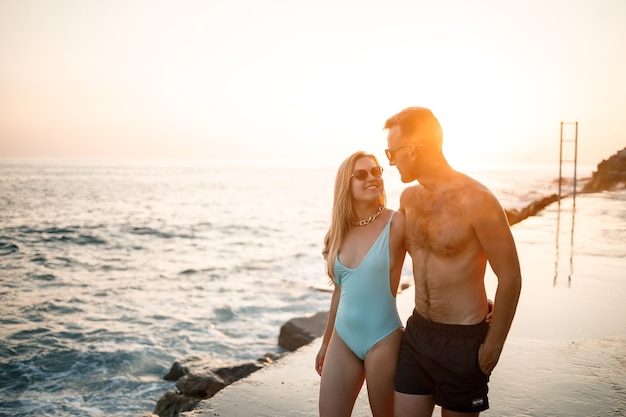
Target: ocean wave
x=149, y=231
x=56, y=262
x=75, y=383
x=56, y=308
x=224, y=313
x=44, y=277
x=7, y=248
x=213, y=272
x=70, y=234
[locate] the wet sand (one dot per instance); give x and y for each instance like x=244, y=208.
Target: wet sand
x=565, y=354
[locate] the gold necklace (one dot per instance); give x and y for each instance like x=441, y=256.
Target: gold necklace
x=370, y=219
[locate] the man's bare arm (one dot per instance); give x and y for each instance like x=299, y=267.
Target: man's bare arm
x=494, y=234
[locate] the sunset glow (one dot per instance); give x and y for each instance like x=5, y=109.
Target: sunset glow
x=241, y=79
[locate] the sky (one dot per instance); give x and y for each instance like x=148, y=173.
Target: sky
x=296, y=80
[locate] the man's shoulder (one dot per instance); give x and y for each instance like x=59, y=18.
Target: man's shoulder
x=470, y=181
x=410, y=193
x=473, y=187
x=478, y=199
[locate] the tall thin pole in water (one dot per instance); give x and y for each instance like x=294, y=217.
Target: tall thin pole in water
x=574, y=182
x=575, y=160
x=560, y=160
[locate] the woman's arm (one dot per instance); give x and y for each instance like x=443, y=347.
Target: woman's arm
x=328, y=331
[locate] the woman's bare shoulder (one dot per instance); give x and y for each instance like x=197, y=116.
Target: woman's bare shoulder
x=398, y=223
x=398, y=218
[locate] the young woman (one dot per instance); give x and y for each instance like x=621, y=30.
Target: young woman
x=364, y=252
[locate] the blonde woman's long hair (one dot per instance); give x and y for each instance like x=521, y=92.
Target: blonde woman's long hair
x=343, y=209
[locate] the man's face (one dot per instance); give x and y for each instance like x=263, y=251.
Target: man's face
x=400, y=153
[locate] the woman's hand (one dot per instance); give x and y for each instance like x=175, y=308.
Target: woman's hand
x=319, y=360
x=489, y=312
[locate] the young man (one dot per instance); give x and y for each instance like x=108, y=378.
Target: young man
x=454, y=226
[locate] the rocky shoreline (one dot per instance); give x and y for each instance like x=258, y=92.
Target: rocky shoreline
x=610, y=175
x=199, y=377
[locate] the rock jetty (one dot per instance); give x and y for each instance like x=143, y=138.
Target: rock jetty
x=610, y=175
x=516, y=216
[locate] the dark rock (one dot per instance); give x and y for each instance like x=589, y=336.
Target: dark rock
x=611, y=174
x=172, y=403
x=200, y=386
x=199, y=377
x=302, y=330
x=235, y=373
x=197, y=364
x=176, y=371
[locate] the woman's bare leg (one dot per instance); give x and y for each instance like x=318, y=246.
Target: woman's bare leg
x=380, y=371
x=342, y=379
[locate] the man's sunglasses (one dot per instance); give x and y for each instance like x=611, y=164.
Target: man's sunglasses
x=362, y=174
x=391, y=153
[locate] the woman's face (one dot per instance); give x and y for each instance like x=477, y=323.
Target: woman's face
x=366, y=182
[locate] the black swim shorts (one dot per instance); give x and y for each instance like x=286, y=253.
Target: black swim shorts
x=442, y=360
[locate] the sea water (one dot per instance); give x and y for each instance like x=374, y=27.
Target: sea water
x=110, y=271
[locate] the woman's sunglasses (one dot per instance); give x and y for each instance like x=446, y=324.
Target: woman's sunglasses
x=361, y=174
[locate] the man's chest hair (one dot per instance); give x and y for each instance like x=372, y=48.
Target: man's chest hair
x=437, y=225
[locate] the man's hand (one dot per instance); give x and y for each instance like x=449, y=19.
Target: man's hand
x=487, y=359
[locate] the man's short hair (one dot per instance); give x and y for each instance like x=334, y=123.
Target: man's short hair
x=419, y=122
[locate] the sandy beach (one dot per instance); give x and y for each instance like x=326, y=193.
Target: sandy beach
x=565, y=354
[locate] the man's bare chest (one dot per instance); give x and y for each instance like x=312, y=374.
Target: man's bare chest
x=438, y=227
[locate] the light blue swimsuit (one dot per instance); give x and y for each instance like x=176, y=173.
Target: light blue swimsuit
x=367, y=311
